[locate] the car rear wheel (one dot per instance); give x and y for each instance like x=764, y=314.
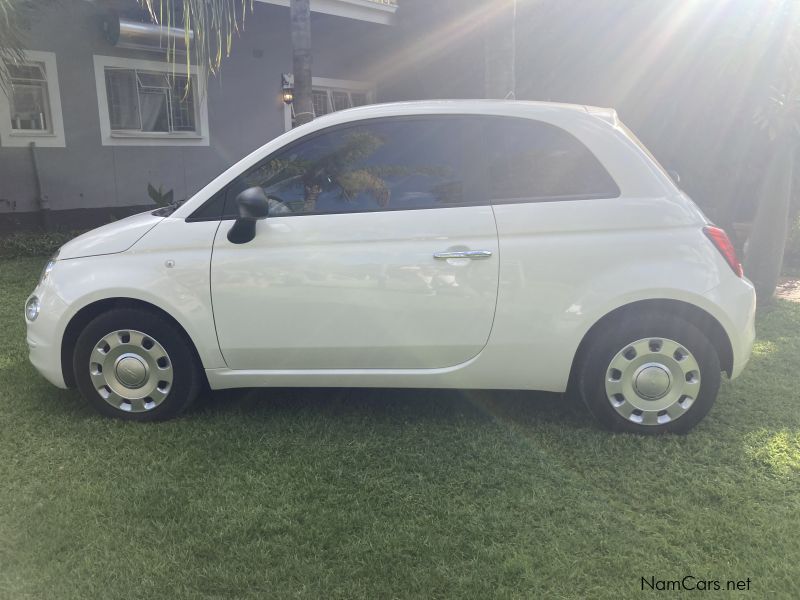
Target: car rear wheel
x=651, y=373
x=136, y=365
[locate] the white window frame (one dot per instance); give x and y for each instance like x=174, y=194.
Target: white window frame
x=374, y=11
x=332, y=85
x=17, y=138
x=149, y=138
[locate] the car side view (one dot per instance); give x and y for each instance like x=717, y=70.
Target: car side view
x=450, y=244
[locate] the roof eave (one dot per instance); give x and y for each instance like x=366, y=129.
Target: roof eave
x=373, y=11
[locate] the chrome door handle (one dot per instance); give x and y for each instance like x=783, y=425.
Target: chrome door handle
x=472, y=254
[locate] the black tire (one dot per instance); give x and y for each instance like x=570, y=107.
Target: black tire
x=613, y=337
x=186, y=381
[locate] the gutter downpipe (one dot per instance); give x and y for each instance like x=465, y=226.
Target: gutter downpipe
x=42, y=202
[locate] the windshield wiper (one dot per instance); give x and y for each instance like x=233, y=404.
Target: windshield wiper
x=167, y=210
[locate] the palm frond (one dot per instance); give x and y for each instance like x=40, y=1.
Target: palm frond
x=212, y=22
x=14, y=16
x=209, y=27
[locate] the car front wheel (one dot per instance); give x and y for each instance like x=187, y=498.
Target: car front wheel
x=136, y=365
x=651, y=373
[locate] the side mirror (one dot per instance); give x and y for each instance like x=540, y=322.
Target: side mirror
x=253, y=206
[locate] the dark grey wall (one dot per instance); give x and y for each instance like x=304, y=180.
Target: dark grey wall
x=244, y=109
x=687, y=77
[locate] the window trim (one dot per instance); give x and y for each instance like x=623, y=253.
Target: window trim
x=375, y=11
x=149, y=138
x=469, y=159
x=550, y=199
x=484, y=167
x=15, y=138
x=336, y=85
x=474, y=164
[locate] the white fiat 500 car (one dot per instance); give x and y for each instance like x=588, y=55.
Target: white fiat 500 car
x=463, y=244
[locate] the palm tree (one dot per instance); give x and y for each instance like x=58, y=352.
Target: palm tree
x=780, y=118
x=499, y=50
x=300, y=18
x=213, y=22
x=14, y=15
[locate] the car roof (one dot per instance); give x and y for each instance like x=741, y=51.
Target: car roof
x=516, y=108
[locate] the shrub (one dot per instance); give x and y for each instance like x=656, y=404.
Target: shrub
x=791, y=259
x=30, y=243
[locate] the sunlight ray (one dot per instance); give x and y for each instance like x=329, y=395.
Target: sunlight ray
x=429, y=45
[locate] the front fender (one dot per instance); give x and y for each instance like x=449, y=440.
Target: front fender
x=175, y=280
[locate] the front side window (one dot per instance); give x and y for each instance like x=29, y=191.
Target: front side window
x=150, y=101
x=530, y=161
x=382, y=165
x=29, y=98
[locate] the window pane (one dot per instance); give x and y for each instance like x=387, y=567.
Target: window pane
x=358, y=98
x=182, y=104
x=287, y=177
x=123, y=99
x=30, y=110
x=32, y=72
x=320, y=100
x=533, y=160
x=30, y=104
x=154, y=107
x=341, y=100
x=401, y=164
x=154, y=80
x=150, y=102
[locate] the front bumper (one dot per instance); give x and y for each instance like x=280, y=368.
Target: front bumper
x=44, y=336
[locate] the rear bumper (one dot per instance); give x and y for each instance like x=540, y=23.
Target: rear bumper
x=742, y=356
x=737, y=298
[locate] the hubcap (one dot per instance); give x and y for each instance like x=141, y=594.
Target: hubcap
x=131, y=370
x=652, y=381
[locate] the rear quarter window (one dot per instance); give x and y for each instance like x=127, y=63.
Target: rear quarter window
x=532, y=161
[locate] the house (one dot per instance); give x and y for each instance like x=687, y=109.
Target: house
x=108, y=117
x=97, y=114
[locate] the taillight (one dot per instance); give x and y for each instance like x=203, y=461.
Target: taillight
x=722, y=243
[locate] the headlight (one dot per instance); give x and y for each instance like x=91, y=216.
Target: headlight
x=47, y=268
x=32, y=308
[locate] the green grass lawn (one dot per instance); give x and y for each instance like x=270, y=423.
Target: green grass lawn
x=392, y=494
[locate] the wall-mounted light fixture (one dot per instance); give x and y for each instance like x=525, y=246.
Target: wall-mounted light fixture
x=287, y=87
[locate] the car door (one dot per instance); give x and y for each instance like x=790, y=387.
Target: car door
x=380, y=252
